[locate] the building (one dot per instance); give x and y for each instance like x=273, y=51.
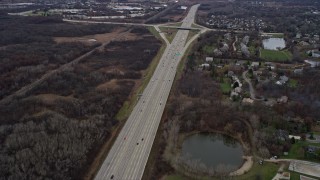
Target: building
x=313, y=63
x=295, y=137
x=315, y=54
x=283, y=80
x=209, y=59
x=184, y=7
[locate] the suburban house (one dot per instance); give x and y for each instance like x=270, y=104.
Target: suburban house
x=295, y=137
x=255, y=64
x=315, y=53
x=209, y=59
x=204, y=66
x=283, y=80
x=313, y=63
x=283, y=99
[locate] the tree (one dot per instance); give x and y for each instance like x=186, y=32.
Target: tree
x=311, y=136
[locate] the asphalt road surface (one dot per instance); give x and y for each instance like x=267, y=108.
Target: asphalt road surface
x=129, y=154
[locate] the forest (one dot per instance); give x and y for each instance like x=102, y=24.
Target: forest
x=57, y=128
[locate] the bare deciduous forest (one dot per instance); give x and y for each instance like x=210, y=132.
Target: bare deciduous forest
x=55, y=130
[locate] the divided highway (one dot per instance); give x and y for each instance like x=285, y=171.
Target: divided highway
x=129, y=154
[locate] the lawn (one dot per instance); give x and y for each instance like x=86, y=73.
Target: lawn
x=208, y=49
x=275, y=35
x=174, y=177
x=273, y=55
x=293, y=83
x=264, y=172
x=297, y=151
x=226, y=86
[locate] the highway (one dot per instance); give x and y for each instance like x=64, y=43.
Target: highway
x=129, y=154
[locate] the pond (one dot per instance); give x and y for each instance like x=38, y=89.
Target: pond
x=274, y=43
x=213, y=150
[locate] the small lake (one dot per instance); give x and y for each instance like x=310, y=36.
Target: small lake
x=213, y=150
x=274, y=43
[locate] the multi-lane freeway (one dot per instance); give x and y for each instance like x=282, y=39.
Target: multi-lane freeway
x=129, y=154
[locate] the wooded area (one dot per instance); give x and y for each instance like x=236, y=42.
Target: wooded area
x=55, y=131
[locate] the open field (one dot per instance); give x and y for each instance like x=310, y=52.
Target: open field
x=264, y=172
x=226, y=86
x=277, y=56
x=191, y=34
x=170, y=33
x=297, y=150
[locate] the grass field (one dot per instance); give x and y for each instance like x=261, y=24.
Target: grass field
x=170, y=33
x=275, y=35
x=174, y=177
x=293, y=83
x=264, y=172
x=226, y=86
x=191, y=34
x=297, y=151
x=195, y=26
x=208, y=49
x=278, y=56
x=175, y=24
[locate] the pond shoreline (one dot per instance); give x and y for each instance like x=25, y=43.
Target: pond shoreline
x=244, y=167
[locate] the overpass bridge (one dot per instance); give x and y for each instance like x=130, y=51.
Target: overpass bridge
x=182, y=28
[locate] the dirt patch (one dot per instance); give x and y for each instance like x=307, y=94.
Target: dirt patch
x=50, y=99
x=246, y=166
x=98, y=38
x=113, y=84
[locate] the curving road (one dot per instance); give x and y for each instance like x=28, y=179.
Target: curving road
x=129, y=154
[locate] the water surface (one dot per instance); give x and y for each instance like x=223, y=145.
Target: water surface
x=213, y=150
x=274, y=43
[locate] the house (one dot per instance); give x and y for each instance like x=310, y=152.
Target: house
x=283, y=99
x=295, y=137
x=241, y=63
x=298, y=71
x=184, y=7
x=257, y=73
x=313, y=63
x=255, y=64
x=315, y=53
x=283, y=80
x=204, y=66
x=217, y=52
x=298, y=35
x=224, y=48
x=230, y=73
x=209, y=59
x=247, y=100
x=238, y=90
x=303, y=43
